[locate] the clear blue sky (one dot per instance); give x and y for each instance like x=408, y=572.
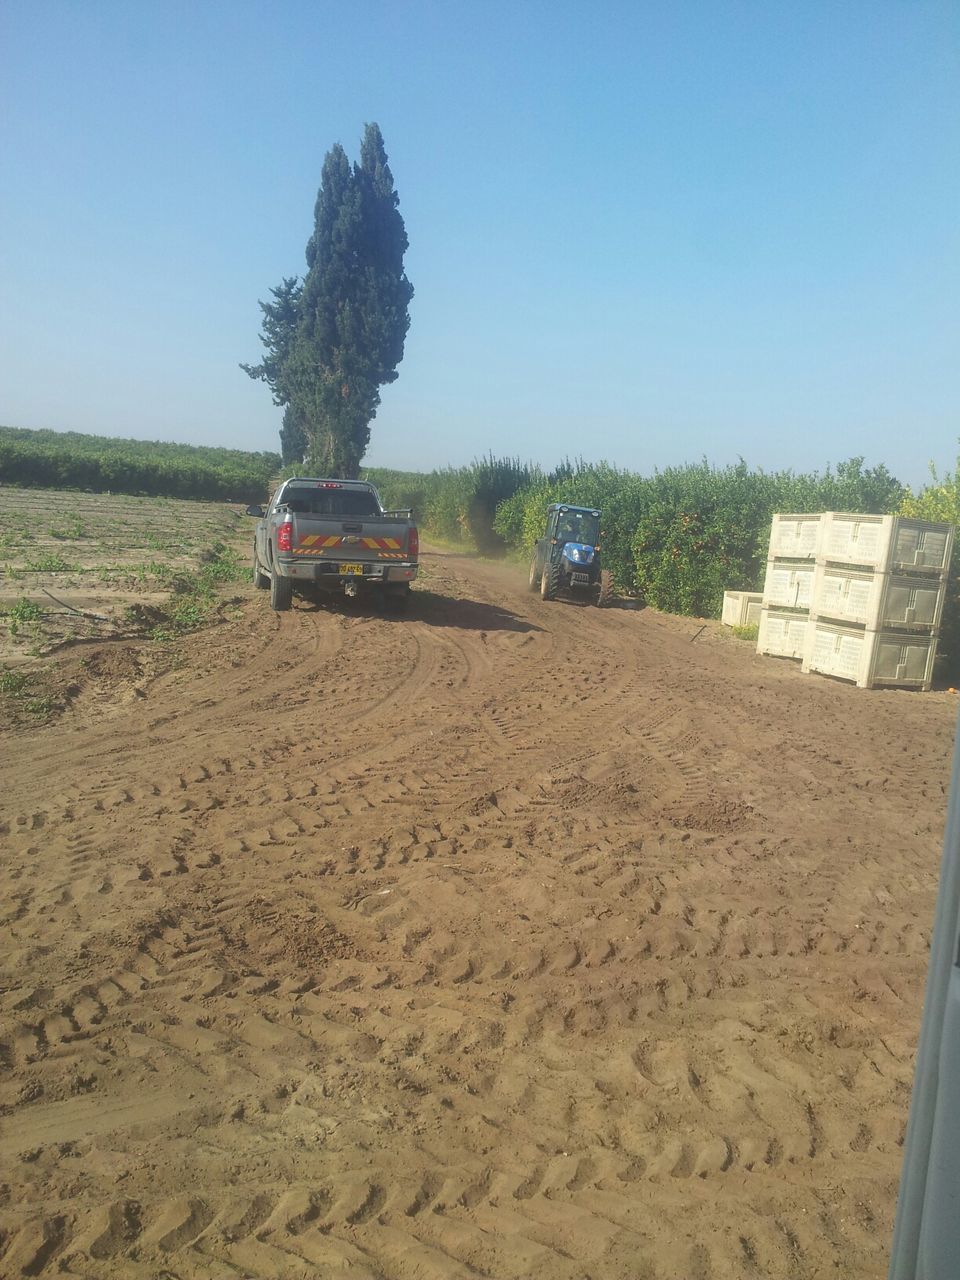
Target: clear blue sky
x=641, y=231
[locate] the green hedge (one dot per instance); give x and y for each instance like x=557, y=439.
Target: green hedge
x=457, y=504
x=940, y=501
x=70, y=460
x=683, y=536
x=678, y=538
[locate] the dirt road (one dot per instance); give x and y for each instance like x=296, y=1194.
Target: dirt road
x=508, y=939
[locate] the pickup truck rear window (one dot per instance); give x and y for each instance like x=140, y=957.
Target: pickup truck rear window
x=330, y=502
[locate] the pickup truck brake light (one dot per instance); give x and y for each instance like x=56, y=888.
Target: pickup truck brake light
x=413, y=542
x=285, y=536
x=329, y=484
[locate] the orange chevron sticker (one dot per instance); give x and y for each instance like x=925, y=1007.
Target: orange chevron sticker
x=380, y=544
x=313, y=540
x=320, y=539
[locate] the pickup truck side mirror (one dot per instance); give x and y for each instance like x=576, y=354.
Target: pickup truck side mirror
x=254, y=510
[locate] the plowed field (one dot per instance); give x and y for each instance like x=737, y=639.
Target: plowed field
x=506, y=939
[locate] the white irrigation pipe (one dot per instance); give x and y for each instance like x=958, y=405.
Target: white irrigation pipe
x=926, y=1237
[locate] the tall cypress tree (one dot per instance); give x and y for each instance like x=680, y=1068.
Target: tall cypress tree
x=281, y=318
x=388, y=291
x=352, y=311
x=293, y=436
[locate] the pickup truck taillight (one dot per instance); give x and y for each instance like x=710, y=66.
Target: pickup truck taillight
x=285, y=536
x=413, y=543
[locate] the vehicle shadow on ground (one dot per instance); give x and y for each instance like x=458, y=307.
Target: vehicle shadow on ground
x=470, y=615
x=432, y=608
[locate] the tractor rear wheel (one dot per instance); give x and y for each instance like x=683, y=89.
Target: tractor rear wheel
x=606, y=588
x=534, y=580
x=550, y=582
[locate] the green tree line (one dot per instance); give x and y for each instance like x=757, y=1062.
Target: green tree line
x=71, y=460
x=678, y=538
x=458, y=504
x=940, y=501
x=682, y=536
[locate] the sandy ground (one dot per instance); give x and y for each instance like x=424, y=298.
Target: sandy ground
x=508, y=939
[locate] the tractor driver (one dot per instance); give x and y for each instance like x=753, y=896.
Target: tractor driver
x=569, y=528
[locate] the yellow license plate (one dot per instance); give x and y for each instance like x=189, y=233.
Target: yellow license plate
x=356, y=569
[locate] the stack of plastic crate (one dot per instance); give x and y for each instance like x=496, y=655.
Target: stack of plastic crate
x=788, y=585
x=877, y=598
x=741, y=608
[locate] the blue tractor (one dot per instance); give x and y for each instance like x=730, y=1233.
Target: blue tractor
x=567, y=557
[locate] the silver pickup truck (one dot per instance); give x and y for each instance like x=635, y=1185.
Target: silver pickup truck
x=333, y=535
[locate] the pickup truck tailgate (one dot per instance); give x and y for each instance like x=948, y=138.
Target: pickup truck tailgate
x=370, y=541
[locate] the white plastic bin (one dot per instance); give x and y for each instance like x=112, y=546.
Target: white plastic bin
x=794, y=537
x=870, y=658
x=878, y=600
x=788, y=584
x=782, y=634
x=885, y=543
x=741, y=608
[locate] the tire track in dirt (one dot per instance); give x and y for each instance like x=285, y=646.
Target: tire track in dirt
x=460, y=962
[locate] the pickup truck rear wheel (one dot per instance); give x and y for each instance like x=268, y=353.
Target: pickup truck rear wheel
x=396, y=597
x=281, y=592
x=260, y=579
